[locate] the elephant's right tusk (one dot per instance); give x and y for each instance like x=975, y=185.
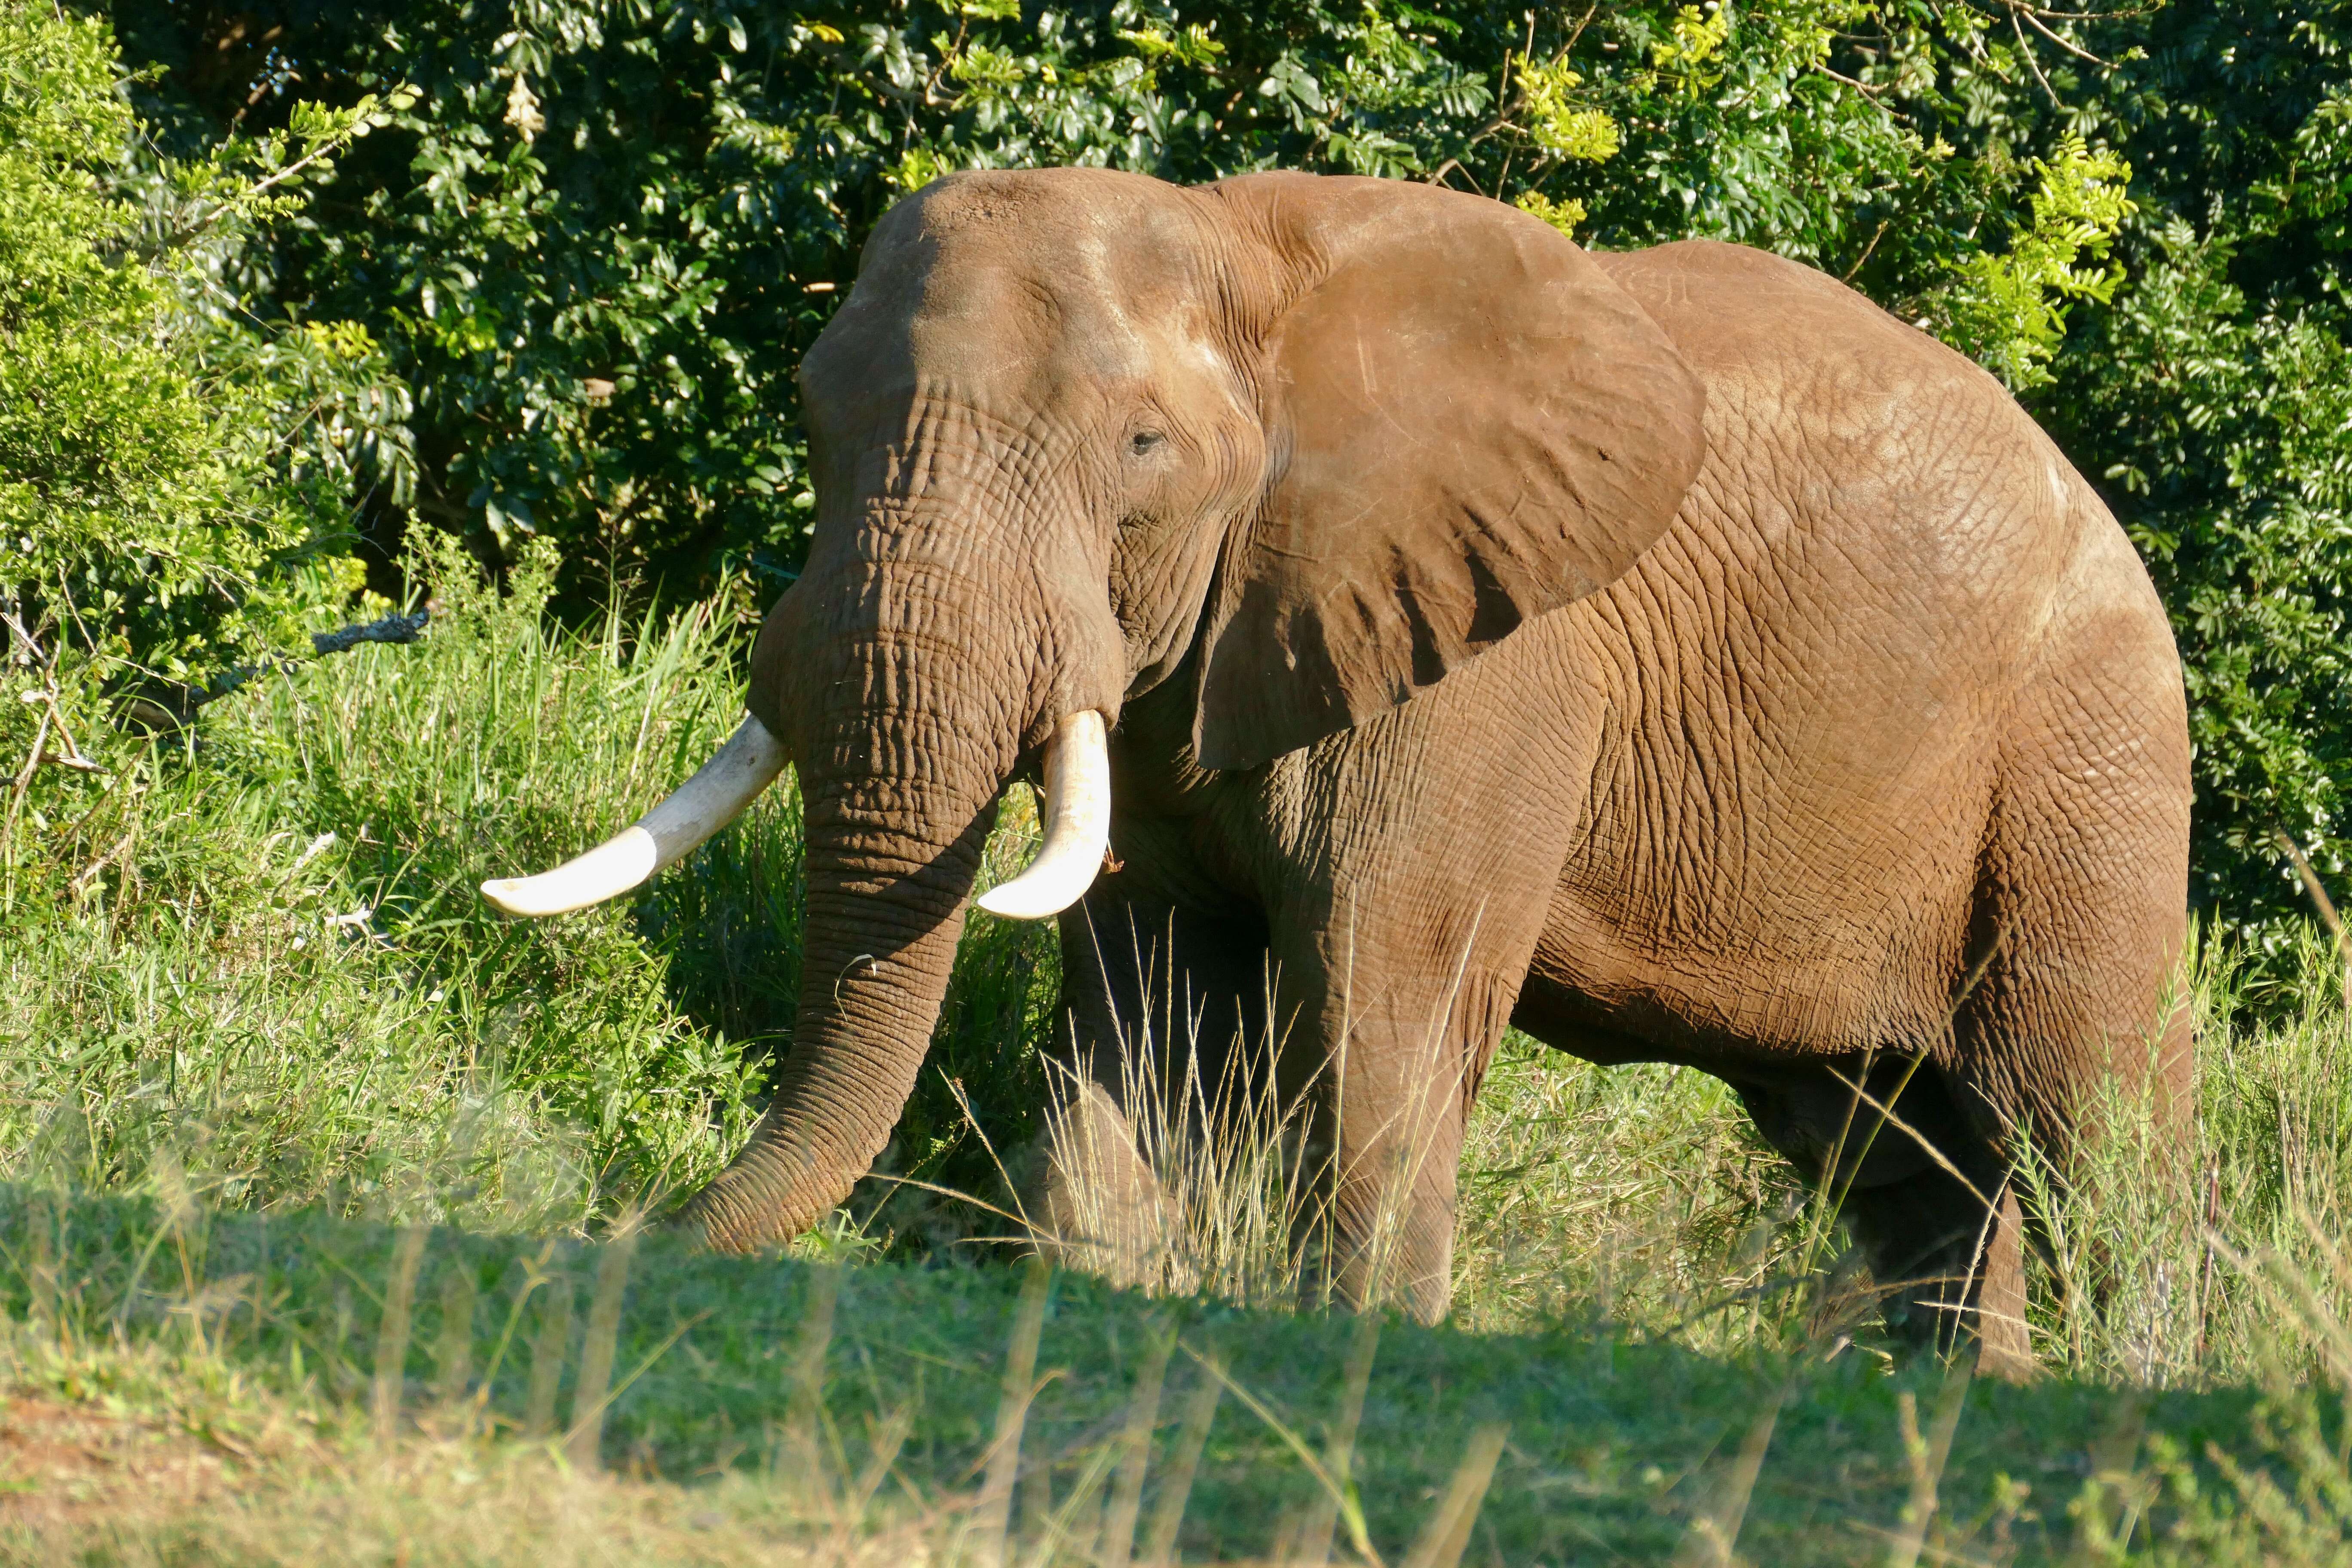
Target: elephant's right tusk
x=1077, y=825
x=712, y=799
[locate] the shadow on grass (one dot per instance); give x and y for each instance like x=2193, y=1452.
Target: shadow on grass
x=1614, y=1447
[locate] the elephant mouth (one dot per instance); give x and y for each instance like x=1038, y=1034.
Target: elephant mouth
x=1077, y=828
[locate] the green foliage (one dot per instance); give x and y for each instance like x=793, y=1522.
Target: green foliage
x=172, y=476
x=2208, y=396
x=261, y=961
x=603, y=234
x=600, y=235
x=1556, y=123
x=1563, y=216
x=2008, y=311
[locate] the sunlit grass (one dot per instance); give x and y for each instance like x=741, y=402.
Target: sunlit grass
x=246, y=970
x=255, y=951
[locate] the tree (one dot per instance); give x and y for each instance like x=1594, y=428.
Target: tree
x=172, y=477
x=2211, y=396
x=600, y=238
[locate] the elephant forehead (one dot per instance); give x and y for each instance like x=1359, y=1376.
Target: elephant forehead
x=1028, y=320
x=1016, y=284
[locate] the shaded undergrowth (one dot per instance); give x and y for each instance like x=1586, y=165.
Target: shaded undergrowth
x=664, y=1363
x=260, y=1030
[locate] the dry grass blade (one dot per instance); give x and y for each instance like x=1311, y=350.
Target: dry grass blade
x=391, y=1336
x=591, y=1394
x=1313, y=1538
x=1058, y=1529
x=1448, y=1530
x=453, y=1352
x=1135, y=1451
x=2324, y=904
x=2113, y=1500
x=548, y=1350
x=992, y=1517
x=1927, y=1456
x=1339, y=1502
x=887, y=1438
x=1716, y=1531
x=799, y=1453
x=1192, y=1437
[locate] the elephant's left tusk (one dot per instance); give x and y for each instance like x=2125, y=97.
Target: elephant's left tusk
x=1077, y=825
x=700, y=807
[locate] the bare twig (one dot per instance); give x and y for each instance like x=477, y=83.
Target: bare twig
x=1447, y=1532
x=2326, y=907
x=44, y=697
x=2031, y=63
x=2035, y=22
x=1866, y=251
x=179, y=703
x=1859, y=86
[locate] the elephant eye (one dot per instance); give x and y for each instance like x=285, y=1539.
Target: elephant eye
x=1142, y=441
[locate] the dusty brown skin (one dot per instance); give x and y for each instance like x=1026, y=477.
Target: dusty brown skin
x=1669, y=653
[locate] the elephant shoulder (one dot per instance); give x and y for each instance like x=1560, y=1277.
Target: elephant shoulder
x=1735, y=309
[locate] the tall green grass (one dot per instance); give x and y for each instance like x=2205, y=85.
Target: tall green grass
x=249, y=960
x=260, y=1030
x=1644, y=1195
x=252, y=952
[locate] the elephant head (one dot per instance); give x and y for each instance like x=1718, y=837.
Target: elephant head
x=1312, y=442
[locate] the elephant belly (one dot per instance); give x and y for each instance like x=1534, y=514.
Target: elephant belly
x=1797, y=927
x=1741, y=1025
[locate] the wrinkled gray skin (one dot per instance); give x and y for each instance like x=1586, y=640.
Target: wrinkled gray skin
x=1668, y=653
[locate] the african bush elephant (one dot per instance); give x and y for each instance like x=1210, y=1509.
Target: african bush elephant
x=1668, y=652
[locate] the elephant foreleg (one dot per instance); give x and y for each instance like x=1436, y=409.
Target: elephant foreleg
x=1400, y=1045
x=1158, y=1006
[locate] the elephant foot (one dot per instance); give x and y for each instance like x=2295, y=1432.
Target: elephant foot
x=1949, y=1273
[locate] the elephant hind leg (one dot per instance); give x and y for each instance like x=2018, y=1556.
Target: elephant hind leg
x=1924, y=1192
x=2068, y=1023
x=2070, y=1019
x=1947, y=1257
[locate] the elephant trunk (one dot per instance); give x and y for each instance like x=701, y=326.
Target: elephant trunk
x=904, y=734
x=883, y=917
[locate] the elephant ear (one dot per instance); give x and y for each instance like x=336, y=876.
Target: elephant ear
x=1468, y=424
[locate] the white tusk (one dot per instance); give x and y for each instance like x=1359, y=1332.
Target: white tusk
x=712, y=799
x=1077, y=825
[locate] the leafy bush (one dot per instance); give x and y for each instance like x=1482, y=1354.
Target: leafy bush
x=2211, y=396
x=599, y=240
x=601, y=235
x=168, y=470
x=261, y=962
